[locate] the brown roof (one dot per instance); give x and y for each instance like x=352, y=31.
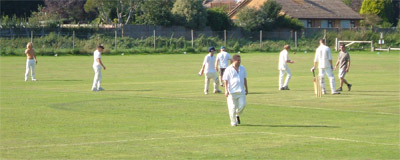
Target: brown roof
x=311, y=9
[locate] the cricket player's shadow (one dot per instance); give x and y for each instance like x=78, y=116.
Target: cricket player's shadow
x=259, y=93
x=62, y=80
x=288, y=126
x=131, y=90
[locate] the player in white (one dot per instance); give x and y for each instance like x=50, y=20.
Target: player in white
x=97, y=64
x=209, y=71
x=284, y=68
x=323, y=58
x=30, y=61
x=222, y=62
x=235, y=78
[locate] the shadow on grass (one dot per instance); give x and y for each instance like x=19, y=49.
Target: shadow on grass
x=62, y=80
x=259, y=93
x=130, y=90
x=289, y=126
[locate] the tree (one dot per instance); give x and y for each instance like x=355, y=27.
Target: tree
x=190, y=13
x=123, y=9
x=155, y=12
x=383, y=8
x=262, y=19
x=70, y=10
x=218, y=20
x=19, y=8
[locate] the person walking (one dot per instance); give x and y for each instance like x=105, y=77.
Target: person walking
x=222, y=62
x=344, y=66
x=284, y=68
x=97, y=65
x=209, y=71
x=31, y=60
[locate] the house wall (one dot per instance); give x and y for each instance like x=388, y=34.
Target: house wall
x=323, y=23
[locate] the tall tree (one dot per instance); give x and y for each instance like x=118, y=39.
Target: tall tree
x=19, y=8
x=156, y=12
x=70, y=10
x=263, y=18
x=383, y=8
x=190, y=13
x=218, y=19
x=123, y=9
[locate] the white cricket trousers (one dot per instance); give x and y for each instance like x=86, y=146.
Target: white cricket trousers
x=329, y=73
x=208, y=77
x=30, y=65
x=236, y=104
x=282, y=74
x=97, y=76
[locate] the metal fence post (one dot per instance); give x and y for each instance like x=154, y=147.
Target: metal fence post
x=154, y=38
x=224, y=37
x=192, y=39
x=295, y=39
x=31, y=36
x=325, y=35
x=260, y=39
x=73, y=39
x=115, y=40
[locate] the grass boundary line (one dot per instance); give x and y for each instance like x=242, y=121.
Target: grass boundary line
x=197, y=136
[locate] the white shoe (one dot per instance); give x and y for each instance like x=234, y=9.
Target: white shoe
x=205, y=92
x=94, y=89
x=335, y=92
x=26, y=80
x=34, y=80
x=100, y=89
x=217, y=91
x=233, y=124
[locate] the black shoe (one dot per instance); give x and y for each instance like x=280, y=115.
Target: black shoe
x=281, y=89
x=349, y=86
x=339, y=89
x=286, y=88
x=238, y=119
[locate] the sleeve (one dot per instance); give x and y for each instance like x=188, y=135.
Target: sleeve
x=244, y=72
x=329, y=53
x=348, y=57
x=286, y=56
x=229, y=56
x=316, y=55
x=205, y=60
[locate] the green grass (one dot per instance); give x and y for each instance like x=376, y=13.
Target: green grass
x=154, y=108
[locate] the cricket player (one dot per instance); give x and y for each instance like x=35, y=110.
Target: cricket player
x=284, y=68
x=209, y=71
x=222, y=62
x=235, y=78
x=97, y=64
x=31, y=60
x=344, y=61
x=323, y=58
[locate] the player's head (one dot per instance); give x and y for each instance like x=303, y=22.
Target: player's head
x=223, y=48
x=211, y=49
x=29, y=45
x=100, y=47
x=322, y=41
x=287, y=47
x=342, y=47
x=236, y=59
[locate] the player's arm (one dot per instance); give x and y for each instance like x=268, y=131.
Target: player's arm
x=101, y=63
x=34, y=55
x=337, y=63
x=202, y=69
x=330, y=61
x=348, y=66
x=245, y=86
x=216, y=64
x=226, y=88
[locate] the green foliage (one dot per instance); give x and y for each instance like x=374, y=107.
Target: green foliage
x=190, y=13
x=40, y=18
x=264, y=18
x=218, y=20
x=288, y=22
x=371, y=20
x=347, y=2
x=383, y=8
x=156, y=12
x=14, y=21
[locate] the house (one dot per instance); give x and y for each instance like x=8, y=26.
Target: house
x=312, y=13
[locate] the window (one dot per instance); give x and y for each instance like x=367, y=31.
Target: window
x=352, y=23
x=309, y=23
x=330, y=23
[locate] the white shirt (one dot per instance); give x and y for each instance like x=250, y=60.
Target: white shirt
x=283, y=58
x=209, y=62
x=223, y=58
x=235, y=79
x=96, y=55
x=322, y=56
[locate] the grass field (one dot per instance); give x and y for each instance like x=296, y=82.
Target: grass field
x=154, y=108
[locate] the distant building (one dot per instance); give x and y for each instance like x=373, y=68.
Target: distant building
x=312, y=13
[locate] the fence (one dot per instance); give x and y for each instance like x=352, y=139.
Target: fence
x=175, y=38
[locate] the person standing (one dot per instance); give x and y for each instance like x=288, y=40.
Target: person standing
x=284, y=68
x=235, y=78
x=323, y=58
x=344, y=62
x=209, y=71
x=222, y=62
x=31, y=60
x=97, y=64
